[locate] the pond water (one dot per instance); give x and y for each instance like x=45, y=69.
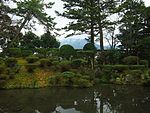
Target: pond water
x=100, y=99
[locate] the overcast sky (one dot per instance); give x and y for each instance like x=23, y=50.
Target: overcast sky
x=61, y=22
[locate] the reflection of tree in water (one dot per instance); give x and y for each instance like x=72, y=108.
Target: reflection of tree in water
x=123, y=99
x=103, y=99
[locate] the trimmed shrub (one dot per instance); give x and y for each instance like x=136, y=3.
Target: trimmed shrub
x=78, y=63
x=131, y=60
x=32, y=59
x=89, y=46
x=113, y=56
x=26, y=53
x=137, y=67
x=11, y=62
x=66, y=51
x=64, y=65
x=144, y=62
x=69, y=79
x=120, y=68
x=45, y=62
x=14, y=52
x=31, y=67
x=82, y=83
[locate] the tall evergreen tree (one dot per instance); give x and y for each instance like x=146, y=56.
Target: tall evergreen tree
x=89, y=16
x=131, y=21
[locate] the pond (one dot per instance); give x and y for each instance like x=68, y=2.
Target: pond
x=100, y=99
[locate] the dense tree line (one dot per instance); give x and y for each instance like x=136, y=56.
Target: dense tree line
x=94, y=17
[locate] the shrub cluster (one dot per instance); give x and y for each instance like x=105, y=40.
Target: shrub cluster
x=131, y=60
x=32, y=59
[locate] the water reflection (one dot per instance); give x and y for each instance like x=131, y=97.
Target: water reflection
x=102, y=99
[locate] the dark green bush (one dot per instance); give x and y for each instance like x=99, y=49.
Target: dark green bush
x=69, y=79
x=64, y=65
x=66, y=51
x=136, y=67
x=2, y=69
x=14, y=52
x=32, y=59
x=31, y=67
x=41, y=52
x=121, y=68
x=77, y=63
x=11, y=62
x=3, y=77
x=144, y=62
x=1, y=60
x=26, y=53
x=45, y=62
x=85, y=54
x=131, y=60
x=53, y=52
x=113, y=56
x=12, y=71
x=89, y=46
x=146, y=83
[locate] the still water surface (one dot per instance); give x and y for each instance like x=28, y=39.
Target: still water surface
x=100, y=99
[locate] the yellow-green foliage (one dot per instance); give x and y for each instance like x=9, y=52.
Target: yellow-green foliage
x=21, y=61
x=26, y=80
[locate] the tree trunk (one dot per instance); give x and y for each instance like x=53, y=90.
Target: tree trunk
x=101, y=38
x=92, y=22
x=100, y=28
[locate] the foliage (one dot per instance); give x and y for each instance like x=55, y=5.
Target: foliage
x=14, y=52
x=45, y=62
x=77, y=63
x=11, y=62
x=144, y=62
x=31, y=67
x=41, y=52
x=26, y=52
x=49, y=41
x=69, y=79
x=32, y=59
x=66, y=51
x=30, y=41
x=131, y=24
x=143, y=48
x=2, y=69
x=89, y=46
x=53, y=52
x=131, y=60
x=1, y=60
x=64, y=65
x=111, y=56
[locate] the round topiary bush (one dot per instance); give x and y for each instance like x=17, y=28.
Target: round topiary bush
x=66, y=51
x=131, y=60
x=32, y=59
x=89, y=46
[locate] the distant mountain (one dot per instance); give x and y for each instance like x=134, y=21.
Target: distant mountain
x=77, y=43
